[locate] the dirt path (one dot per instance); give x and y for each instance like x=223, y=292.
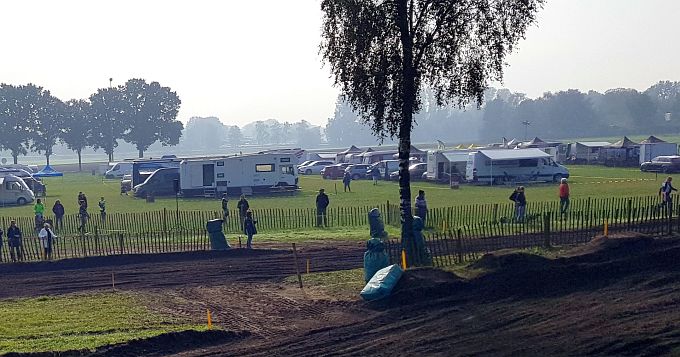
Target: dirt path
x=169, y=271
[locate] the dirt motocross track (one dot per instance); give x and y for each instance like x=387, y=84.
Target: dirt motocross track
x=611, y=297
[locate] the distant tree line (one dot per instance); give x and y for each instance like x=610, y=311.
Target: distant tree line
x=140, y=113
x=564, y=114
x=209, y=133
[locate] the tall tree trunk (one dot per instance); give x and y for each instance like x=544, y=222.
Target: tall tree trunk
x=80, y=160
x=141, y=153
x=47, y=156
x=15, y=156
x=409, y=97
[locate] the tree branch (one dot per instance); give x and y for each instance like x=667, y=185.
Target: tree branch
x=431, y=36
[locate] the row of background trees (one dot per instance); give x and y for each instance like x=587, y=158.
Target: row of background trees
x=561, y=115
x=140, y=113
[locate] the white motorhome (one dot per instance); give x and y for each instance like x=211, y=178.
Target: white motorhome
x=239, y=174
x=510, y=166
x=13, y=190
x=119, y=170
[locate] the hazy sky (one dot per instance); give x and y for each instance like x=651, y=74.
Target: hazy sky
x=257, y=59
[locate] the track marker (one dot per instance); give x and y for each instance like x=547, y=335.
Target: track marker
x=307, y=266
x=209, y=320
x=113, y=280
x=606, y=228
x=403, y=259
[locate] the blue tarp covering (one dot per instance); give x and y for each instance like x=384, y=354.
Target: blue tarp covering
x=382, y=283
x=48, y=171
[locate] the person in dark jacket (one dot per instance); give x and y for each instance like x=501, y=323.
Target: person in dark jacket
x=421, y=206
x=249, y=228
x=321, y=205
x=520, y=203
x=243, y=207
x=225, y=208
x=58, y=210
x=15, y=242
x=375, y=174
x=665, y=192
x=346, y=180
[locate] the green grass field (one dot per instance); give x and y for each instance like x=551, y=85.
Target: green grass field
x=586, y=181
x=79, y=321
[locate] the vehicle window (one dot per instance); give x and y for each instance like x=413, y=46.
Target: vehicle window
x=287, y=170
x=264, y=168
x=528, y=163
x=220, y=163
x=116, y=167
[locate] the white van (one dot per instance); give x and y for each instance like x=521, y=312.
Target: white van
x=511, y=166
x=13, y=190
x=119, y=170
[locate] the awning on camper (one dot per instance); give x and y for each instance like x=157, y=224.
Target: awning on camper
x=460, y=156
x=516, y=154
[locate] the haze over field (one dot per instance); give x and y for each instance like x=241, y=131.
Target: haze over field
x=255, y=60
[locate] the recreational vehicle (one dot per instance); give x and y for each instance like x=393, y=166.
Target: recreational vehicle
x=510, y=166
x=240, y=174
x=13, y=190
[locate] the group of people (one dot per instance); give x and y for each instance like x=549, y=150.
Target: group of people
x=519, y=198
x=322, y=202
x=59, y=211
x=248, y=223
x=16, y=246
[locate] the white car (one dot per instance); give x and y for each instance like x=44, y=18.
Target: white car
x=314, y=168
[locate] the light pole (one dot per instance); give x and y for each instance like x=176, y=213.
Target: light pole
x=526, y=124
x=111, y=120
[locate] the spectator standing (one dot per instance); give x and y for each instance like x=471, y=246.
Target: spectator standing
x=243, y=207
x=346, y=180
x=15, y=242
x=102, y=209
x=375, y=174
x=225, y=208
x=322, y=203
x=58, y=210
x=564, y=196
x=46, y=241
x=82, y=200
x=39, y=209
x=250, y=228
x=665, y=192
x=421, y=206
x=84, y=216
x=520, y=203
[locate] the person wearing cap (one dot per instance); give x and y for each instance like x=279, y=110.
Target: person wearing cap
x=564, y=196
x=321, y=205
x=520, y=203
x=46, y=240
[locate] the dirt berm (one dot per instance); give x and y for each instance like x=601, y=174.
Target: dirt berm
x=614, y=296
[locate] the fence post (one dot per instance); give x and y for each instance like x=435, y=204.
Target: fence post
x=630, y=213
x=165, y=221
x=546, y=230
x=459, y=245
x=388, y=213
x=121, y=242
x=495, y=212
x=669, y=219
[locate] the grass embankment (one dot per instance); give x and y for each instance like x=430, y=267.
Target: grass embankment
x=75, y=322
x=586, y=181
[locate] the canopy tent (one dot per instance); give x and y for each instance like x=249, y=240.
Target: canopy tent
x=623, y=144
x=351, y=150
x=48, y=171
x=652, y=140
x=517, y=154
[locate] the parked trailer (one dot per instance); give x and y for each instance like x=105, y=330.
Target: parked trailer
x=509, y=166
x=239, y=174
x=442, y=164
x=143, y=168
x=13, y=190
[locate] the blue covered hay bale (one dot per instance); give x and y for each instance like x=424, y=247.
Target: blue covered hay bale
x=382, y=283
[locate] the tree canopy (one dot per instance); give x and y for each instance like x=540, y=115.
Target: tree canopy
x=382, y=53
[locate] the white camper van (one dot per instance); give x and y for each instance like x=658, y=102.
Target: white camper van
x=13, y=190
x=119, y=170
x=519, y=165
x=214, y=176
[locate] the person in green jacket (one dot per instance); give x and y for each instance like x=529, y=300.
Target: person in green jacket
x=39, y=210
